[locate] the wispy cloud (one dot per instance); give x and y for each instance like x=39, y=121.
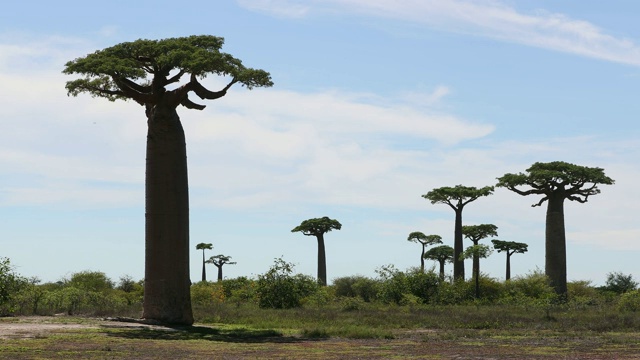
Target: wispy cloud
x=487, y=18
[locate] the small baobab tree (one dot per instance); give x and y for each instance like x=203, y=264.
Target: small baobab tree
x=510, y=248
x=424, y=240
x=480, y=252
x=442, y=254
x=203, y=247
x=219, y=261
x=475, y=233
x=318, y=227
x=457, y=198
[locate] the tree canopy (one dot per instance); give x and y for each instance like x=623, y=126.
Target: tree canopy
x=510, y=247
x=141, y=70
x=317, y=226
x=476, y=233
x=573, y=182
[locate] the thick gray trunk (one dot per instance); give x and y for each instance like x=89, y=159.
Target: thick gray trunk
x=555, y=245
x=167, y=283
x=458, y=264
x=322, y=261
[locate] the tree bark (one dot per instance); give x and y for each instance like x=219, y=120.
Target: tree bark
x=458, y=264
x=422, y=259
x=322, y=261
x=220, y=273
x=555, y=245
x=442, y=269
x=167, y=283
x=476, y=262
x=508, y=276
x=204, y=272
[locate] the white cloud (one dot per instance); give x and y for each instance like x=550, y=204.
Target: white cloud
x=487, y=18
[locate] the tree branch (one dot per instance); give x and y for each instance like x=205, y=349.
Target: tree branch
x=191, y=105
x=204, y=93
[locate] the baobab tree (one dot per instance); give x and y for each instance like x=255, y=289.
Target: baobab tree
x=142, y=71
x=318, y=227
x=219, y=261
x=424, y=240
x=203, y=247
x=457, y=198
x=477, y=252
x=556, y=181
x=441, y=254
x=510, y=248
x=475, y=233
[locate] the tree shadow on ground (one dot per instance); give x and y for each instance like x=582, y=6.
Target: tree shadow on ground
x=201, y=333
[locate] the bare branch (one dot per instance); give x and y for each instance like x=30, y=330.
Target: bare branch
x=174, y=78
x=204, y=93
x=191, y=105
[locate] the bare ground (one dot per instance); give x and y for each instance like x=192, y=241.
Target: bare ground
x=81, y=338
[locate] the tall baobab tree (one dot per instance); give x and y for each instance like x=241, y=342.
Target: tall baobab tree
x=318, y=227
x=424, y=240
x=219, y=261
x=203, y=247
x=149, y=72
x=556, y=181
x=510, y=248
x=457, y=198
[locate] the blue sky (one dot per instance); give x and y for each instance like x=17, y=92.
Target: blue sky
x=375, y=103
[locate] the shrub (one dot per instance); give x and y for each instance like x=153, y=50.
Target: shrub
x=91, y=281
x=620, y=283
x=207, y=294
x=10, y=284
x=279, y=289
x=422, y=285
x=630, y=301
x=393, y=285
x=366, y=288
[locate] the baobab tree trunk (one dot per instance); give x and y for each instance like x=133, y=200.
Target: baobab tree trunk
x=422, y=259
x=555, y=245
x=442, y=269
x=204, y=271
x=322, y=261
x=220, y=273
x=167, y=283
x=476, y=263
x=458, y=264
x=508, y=276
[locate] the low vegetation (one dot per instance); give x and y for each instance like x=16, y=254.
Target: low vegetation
x=352, y=307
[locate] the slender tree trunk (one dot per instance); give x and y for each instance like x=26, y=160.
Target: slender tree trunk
x=508, y=276
x=441, y=269
x=166, y=284
x=458, y=264
x=220, y=273
x=322, y=261
x=476, y=261
x=204, y=272
x=555, y=245
x=476, y=275
x=422, y=259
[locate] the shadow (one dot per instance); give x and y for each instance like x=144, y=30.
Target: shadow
x=199, y=333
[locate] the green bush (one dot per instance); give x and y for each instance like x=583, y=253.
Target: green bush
x=367, y=289
x=422, y=285
x=630, y=301
x=279, y=289
x=393, y=285
x=620, y=283
x=91, y=281
x=10, y=285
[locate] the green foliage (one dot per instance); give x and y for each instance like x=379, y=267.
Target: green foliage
x=278, y=288
x=421, y=238
x=510, y=247
x=620, y=283
x=10, y=284
x=481, y=251
x=317, y=226
x=207, y=294
x=476, y=233
x=111, y=72
x=440, y=253
x=573, y=181
x=458, y=195
x=529, y=289
x=630, y=301
x=91, y=281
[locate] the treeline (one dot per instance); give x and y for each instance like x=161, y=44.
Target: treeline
x=92, y=293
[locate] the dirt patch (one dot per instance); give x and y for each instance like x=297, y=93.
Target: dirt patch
x=75, y=338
